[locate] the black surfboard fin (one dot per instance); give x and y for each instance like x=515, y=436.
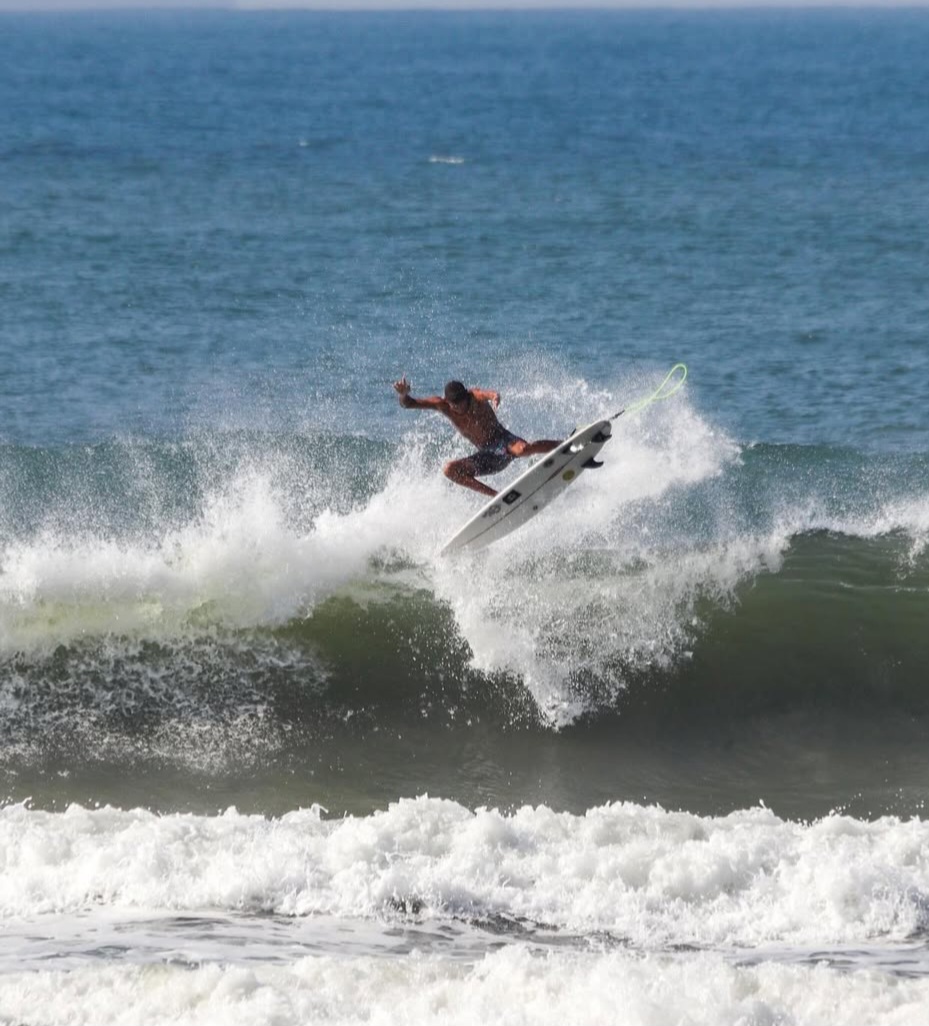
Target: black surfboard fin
x=592, y=464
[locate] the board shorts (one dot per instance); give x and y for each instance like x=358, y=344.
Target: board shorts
x=494, y=458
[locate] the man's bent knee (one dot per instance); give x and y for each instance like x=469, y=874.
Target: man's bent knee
x=454, y=471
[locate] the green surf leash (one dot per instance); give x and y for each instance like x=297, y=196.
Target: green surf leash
x=663, y=391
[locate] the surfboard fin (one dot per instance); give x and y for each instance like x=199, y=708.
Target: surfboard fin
x=592, y=464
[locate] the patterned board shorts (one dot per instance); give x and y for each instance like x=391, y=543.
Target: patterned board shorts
x=496, y=457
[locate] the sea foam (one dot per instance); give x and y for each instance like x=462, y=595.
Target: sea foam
x=638, y=875
x=512, y=985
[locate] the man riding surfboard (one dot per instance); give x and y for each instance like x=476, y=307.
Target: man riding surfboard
x=471, y=411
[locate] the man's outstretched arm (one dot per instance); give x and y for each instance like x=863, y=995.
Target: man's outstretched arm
x=433, y=402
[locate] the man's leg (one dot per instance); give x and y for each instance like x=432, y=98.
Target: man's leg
x=521, y=447
x=462, y=473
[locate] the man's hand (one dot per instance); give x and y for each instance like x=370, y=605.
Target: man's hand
x=402, y=386
x=495, y=399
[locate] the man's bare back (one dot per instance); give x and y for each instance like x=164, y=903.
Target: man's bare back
x=471, y=411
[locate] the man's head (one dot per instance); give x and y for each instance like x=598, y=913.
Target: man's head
x=456, y=393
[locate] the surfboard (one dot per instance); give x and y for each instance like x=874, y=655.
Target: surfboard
x=533, y=490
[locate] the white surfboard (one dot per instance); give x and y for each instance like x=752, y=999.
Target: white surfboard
x=532, y=490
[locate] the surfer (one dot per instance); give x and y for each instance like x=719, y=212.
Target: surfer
x=471, y=411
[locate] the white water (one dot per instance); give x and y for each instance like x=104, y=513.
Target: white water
x=429, y=912
x=641, y=874
x=512, y=986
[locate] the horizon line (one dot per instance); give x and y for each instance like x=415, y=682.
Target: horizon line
x=461, y=6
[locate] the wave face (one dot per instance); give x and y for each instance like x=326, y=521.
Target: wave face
x=228, y=598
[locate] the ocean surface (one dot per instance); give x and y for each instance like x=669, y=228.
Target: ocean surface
x=662, y=756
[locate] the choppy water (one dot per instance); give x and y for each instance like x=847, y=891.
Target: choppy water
x=266, y=757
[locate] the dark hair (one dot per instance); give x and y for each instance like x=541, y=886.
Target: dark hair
x=455, y=392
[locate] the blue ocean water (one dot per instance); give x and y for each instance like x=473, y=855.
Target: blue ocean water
x=266, y=757
x=421, y=190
